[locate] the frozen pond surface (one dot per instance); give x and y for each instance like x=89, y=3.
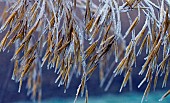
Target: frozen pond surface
x=132, y=97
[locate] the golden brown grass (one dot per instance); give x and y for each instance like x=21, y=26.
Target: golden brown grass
x=60, y=28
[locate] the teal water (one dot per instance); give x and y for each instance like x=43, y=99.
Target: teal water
x=131, y=97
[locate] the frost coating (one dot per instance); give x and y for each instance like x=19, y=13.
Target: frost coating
x=77, y=37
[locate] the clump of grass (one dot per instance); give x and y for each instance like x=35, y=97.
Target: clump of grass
x=55, y=32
